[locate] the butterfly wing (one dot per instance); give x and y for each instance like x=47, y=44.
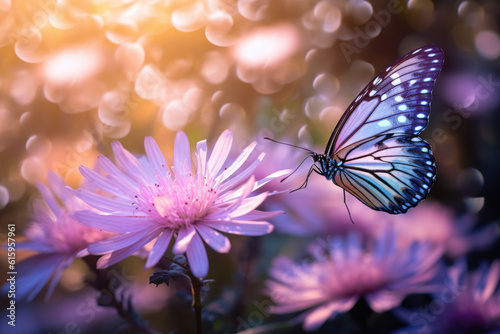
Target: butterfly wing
x=395, y=101
x=390, y=173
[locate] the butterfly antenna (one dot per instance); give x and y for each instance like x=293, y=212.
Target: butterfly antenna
x=294, y=169
x=349, y=211
x=287, y=144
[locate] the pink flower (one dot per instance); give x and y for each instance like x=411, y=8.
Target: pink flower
x=466, y=303
x=346, y=270
x=55, y=236
x=153, y=203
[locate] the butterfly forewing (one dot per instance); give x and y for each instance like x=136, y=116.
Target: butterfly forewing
x=389, y=173
x=395, y=101
x=375, y=149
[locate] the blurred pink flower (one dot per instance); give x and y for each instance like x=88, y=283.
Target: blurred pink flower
x=55, y=236
x=468, y=303
x=336, y=277
x=150, y=202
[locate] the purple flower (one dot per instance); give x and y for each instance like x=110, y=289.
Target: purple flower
x=467, y=303
x=56, y=237
x=152, y=203
x=345, y=270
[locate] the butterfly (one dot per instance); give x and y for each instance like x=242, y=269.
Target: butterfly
x=375, y=152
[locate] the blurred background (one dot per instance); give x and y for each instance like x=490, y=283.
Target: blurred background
x=76, y=75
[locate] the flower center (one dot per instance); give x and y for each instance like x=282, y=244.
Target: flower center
x=182, y=202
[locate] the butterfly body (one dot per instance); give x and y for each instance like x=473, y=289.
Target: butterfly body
x=375, y=152
x=329, y=166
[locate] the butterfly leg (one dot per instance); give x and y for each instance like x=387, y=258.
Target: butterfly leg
x=313, y=168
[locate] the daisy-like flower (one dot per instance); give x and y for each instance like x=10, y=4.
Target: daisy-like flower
x=332, y=281
x=56, y=237
x=467, y=303
x=152, y=203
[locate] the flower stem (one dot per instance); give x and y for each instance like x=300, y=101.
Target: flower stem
x=196, y=285
x=197, y=305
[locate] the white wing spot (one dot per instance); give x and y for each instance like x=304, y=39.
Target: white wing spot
x=396, y=82
x=417, y=50
x=383, y=97
x=424, y=91
x=373, y=92
x=398, y=98
x=402, y=107
x=430, y=174
x=421, y=115
x=433, y=69
x=431, y=55
x=377, y=80
x=418, y=196
x=414, y=200
x=395, y=75
x=427, y=79
x=425, y=186
x=401, y=119
x=428, y=162
x=425, y=149
x=424, y=103
x=412, y=82
x=435, y=61
x=428, y=50
x=384, y=123
x=415, y=139
x=418, y=128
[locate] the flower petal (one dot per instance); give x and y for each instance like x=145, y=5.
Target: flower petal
x=240, y=160
x=184, y=237
x=34, y=273
x=99, y=180
x=382, y=301
x=271, y=177
x=49, y=199
x=112, y=223
x=250, y=228
x=182, y=154
x=248, y=205
x=121, y=254
x=197, y=257
x=120, y=242
x=244, y=191
x=109, y=167
x=155, y=157
x=130, y=164
x=201, y=153
x=317, y=317
x=240, y=177
x=104, y=203
x=159, y=248
x=219, y=153
x=219, y=242
x=261, y=215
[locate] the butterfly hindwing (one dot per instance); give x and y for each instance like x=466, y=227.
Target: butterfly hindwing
x=395, y=101
x=389, y=173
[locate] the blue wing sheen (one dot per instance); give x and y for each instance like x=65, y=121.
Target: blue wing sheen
x=389, y=173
